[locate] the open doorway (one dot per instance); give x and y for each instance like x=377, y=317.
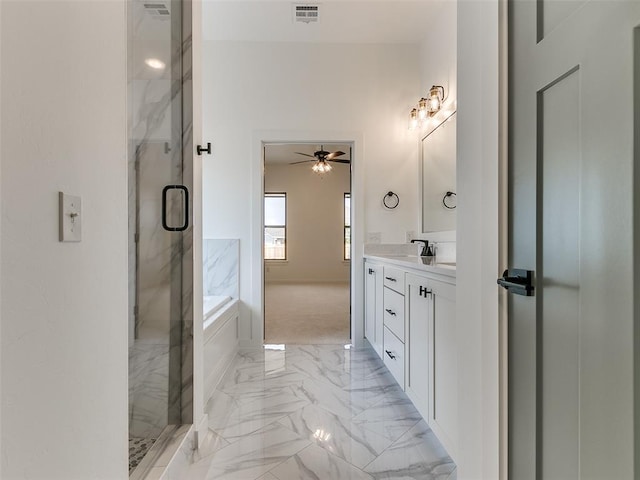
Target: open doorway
x=307, y=243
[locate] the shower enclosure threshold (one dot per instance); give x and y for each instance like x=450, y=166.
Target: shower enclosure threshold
x=161, y=454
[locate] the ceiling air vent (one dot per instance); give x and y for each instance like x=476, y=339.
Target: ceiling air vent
x=306, y=13
x=157, y=9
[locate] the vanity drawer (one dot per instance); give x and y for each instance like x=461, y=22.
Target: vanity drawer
x=394, y=356
x=394, y=312
x=394, y=279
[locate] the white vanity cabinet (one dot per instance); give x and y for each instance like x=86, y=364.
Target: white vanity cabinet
x=432, y=363
x=410, y=320
x=373, y=303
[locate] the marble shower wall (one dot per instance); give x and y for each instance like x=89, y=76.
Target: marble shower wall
x=221, y=266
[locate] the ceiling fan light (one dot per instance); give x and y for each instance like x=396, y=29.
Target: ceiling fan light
x=321, y=167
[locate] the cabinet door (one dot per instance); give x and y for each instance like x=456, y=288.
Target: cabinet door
x=419, y=310
x=373, y=306
x=443, y=414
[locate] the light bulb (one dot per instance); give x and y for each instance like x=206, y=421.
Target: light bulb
x=436, y=97
x=413, y=119
x=422, y=109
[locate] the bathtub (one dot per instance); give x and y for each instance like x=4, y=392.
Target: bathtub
x=220, y=324
x=211, y=308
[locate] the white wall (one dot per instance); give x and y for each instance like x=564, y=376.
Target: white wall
x=478, y=241
x=438, y=66
x=297, y=87
x=315, y=228
x=438, y=51
x=64, y=305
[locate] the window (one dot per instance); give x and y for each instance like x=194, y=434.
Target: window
x=347, y=226
x=275, y=226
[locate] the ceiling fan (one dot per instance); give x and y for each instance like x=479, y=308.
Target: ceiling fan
x=323, y=156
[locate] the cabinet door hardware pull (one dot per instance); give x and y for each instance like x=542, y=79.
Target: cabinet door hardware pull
x=371, y=272
x=391, y=279
x=390, y=312
x=391, y=355
x=424, y=291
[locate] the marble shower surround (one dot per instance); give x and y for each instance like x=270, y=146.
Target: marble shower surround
x=315, y=411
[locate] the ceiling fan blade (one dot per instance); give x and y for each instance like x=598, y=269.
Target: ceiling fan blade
x=305, y=154
x=334, y=154
x=341, y=160
x=302, y=161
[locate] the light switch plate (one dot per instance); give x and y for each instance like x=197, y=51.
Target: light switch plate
x=70, y=213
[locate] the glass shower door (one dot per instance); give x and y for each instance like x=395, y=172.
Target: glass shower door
x=159, y=216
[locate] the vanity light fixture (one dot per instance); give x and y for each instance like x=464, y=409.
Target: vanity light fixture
x=427, y=107
x=436, y=97
x=321, y=167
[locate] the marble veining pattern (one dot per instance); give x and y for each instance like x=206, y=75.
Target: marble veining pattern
x=221, y=266
x=315, y=412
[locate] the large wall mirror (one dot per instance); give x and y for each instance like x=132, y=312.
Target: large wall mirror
x=438, y=161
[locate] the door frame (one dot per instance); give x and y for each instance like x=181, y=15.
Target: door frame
x=260, y=140
x=503, y=237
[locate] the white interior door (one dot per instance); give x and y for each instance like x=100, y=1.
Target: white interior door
x=571, y=359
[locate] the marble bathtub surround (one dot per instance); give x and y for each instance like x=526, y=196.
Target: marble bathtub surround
x=221, y=267
x=315, y=412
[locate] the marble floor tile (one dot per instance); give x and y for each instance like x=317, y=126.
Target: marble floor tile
x=416, y=455
x=315, y=412
x=268, y=476
x=315, y=463
x=251, y=457
x=329, y=397
x=249, y=417
x=340, y=436
x=392, y=417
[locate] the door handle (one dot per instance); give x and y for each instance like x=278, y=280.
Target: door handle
x=518, y=281
x=390, y=312
x=391, y=279
x=391, y=355
x=165, y=225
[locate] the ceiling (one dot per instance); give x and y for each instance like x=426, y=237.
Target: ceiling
x=285, y=153
x=340, y=21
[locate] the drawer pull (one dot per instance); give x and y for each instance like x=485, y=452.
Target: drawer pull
x=390, y=312
x=391, y=355
x=391, y=279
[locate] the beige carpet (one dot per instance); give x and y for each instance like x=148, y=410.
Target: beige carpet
x=307, y=313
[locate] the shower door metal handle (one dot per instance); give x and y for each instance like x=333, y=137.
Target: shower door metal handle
x=165, y=225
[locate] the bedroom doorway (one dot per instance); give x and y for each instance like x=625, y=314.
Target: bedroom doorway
x=307, y=243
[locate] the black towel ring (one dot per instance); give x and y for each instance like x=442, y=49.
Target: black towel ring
x=393, y=203
x=444, y=200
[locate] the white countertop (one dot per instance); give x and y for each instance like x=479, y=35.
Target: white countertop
x=425, y=264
